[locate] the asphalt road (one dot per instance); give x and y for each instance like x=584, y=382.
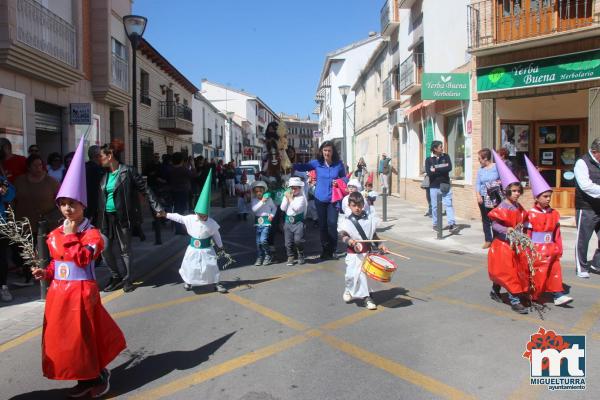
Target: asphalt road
x=285, y=333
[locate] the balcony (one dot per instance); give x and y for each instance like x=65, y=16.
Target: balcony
x=391, y=95
x=389, y=17
x=38, y=43
x=120, y=72
x=495, y=26
x=411, y=72
x=175, y=117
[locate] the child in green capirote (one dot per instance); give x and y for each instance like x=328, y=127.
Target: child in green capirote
x=199, y=266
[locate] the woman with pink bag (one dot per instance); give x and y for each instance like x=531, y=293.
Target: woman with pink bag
x=329, y=169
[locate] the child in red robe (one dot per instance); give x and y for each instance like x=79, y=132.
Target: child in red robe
x=79, y=337
x=506, y=268
x=544, y=230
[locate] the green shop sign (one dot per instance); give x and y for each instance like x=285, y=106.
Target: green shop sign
x=541, y=72
x=445, y=87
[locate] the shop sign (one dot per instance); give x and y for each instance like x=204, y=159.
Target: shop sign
x=445, y=87
x=541, y=72
x=80, y=113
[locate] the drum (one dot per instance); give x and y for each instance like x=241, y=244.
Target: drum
x=378, y=267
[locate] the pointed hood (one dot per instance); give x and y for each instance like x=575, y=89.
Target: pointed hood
x=506, y=175
x=203, y=204
x=537, y=183
x=370, y=178
x=74, y=184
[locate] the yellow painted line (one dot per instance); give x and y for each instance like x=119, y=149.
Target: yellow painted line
x=105, y=300
x=582, y=284
x=450, y=280
x=475, y=258
x=267, y=312
x=526, y=391
x=196, y=378
x=595, y=336
x=588, y=320
x=159, y=306
x=351, y=319
x=20, y=340
x=401, y=371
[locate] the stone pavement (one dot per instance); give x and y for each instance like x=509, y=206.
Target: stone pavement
x=26, y=310
x=407, y=222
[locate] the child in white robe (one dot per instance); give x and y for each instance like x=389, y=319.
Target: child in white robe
x=356, y=280
x=353, y=186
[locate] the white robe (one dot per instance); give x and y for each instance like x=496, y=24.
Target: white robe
x=199, y=266
x=355, y=278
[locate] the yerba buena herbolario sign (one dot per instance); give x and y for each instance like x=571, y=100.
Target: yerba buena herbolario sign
x=541, y=72
x=445, y=87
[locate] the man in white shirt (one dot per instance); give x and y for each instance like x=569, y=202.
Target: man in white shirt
x=587, y=204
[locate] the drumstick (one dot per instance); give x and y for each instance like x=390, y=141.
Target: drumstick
x=398, y=255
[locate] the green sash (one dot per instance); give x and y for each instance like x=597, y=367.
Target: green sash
x=294, y=219
x=262, y=220
x=200, y=243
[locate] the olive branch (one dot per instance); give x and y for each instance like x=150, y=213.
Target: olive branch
x=19, y=232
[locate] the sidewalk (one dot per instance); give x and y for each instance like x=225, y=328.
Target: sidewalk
x=406, y=222
x=26, y=311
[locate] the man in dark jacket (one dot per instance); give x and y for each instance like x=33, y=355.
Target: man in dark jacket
x=93, y=175
x=438, y=168
x=119, y=209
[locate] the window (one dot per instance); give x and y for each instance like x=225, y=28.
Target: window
x=455, y=139
x=12, y=117
x=120, y=70
x=209, y=134
x=145, y=88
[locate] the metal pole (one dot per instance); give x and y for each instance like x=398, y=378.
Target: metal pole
x=384, y=204
x=134, y=127
x=344, y=134
x=440, y=216
x=43, y=254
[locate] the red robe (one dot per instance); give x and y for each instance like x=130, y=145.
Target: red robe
x=79, y=337
x=548, y=273
x=505, y=267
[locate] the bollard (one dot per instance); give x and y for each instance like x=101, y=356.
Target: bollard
x=384, y=204
x=43, y=254
x=439, y=216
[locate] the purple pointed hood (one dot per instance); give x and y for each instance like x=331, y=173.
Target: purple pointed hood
x=74, y=184
x=506, y=175
x=537, y=183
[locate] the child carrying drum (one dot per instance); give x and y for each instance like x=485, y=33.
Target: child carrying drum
x=355, y=229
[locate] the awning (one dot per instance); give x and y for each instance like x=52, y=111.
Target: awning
x=417, y=107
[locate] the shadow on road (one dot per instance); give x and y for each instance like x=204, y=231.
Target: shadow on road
x=142, y=369
x=389, y=298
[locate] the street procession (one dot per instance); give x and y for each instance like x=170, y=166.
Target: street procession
x=432, y=231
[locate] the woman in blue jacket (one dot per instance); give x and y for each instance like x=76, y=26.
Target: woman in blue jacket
x=328, y=168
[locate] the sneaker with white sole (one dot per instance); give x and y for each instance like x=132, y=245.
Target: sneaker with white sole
x=5, y=294
x=583, y=274
x=220, y=288
x=347, y=297
x=103, y=387
x=562, y=300
x=370, y=304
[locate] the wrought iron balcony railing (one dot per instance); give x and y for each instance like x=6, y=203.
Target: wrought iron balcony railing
x=411, y=72
x=171, y=109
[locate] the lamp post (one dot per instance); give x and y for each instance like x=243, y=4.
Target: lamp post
x=344, y=91
x=135, y=26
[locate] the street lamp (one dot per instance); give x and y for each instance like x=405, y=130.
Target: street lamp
x=135, y=26
x=344, y=91
x=230, y=115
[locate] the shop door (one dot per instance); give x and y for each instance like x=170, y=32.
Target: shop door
x=558, y=146
x=48, y=128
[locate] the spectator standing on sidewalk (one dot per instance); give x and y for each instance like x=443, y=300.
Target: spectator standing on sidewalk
x=120, y=189
x=93, y=175
x=34, y=200
x=56, y=168
x=383, y=169
x=230, y=178
x=180, y=181
x=7, y=194
x=487, y=182
x=361, y=170
x=438, y=169
x=328, y=167
x=14, y=165
x=587, y=205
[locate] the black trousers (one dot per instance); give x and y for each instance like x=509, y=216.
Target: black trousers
x=294, y=238
x=588, y=222
x=120, y=235
x=328, y=217
x=487, y=224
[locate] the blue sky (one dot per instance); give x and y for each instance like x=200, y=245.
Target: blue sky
x=272, y=48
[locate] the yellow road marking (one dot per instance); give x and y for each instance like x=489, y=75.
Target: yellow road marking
x=20, y=340
x=220, y=369
x=526, y=391
x=159, y=306
x=401, y=371
x=267, y=312
x=587, y=321
x=581, y=284
x=351, y=319
x=449, y=280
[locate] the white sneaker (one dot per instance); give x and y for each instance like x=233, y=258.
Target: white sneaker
x=583, y=274
x=562, y=300
x=5, y=294
x=347, y=297
x=370, y=304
